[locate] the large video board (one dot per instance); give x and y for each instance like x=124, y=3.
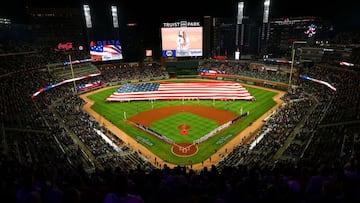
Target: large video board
x=182, y=41
x=105, y=50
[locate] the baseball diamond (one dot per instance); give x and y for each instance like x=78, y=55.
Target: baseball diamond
x=183, y=149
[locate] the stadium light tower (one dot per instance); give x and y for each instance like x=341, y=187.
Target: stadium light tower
x=266, y=11
x=87, y=15
x=265, y=25
x=293, y=59
x=114, y=15
x=240, y=16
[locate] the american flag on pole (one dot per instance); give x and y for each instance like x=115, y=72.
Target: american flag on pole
x=177, y=91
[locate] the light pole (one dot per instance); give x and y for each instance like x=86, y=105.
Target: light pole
x=72, y=73
x=240, y=17
x=293, y=59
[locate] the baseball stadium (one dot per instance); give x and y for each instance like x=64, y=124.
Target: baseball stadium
x=95, y=112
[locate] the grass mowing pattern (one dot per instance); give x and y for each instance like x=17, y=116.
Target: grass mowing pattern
x=113, y=111
x=199, y=126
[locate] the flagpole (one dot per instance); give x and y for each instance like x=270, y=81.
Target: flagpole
x=72, y=73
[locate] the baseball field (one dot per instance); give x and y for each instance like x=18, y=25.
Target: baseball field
x=180, y=132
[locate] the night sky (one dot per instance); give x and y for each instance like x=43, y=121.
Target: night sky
x=344, y=14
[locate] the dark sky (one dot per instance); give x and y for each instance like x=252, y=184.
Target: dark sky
x=344, y=14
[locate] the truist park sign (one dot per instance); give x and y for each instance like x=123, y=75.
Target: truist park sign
x=182, y=24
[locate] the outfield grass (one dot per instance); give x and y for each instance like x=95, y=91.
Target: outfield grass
x=114, y=112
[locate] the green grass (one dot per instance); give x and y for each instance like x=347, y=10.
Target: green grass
x=114, y=111
x=199, y=126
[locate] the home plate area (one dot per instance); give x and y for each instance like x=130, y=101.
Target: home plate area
x=184, y=149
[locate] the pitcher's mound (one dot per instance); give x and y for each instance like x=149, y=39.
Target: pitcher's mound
x=184, y=129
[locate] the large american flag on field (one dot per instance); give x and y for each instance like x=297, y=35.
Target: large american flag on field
x=181, y=91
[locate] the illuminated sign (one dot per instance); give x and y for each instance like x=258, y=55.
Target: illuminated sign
x=65, y=46
x=311, y=31
x=105, y=50
x=182, y=41
x=148, y=53
x=182, y=24
x=287, y=21
x=105, y=42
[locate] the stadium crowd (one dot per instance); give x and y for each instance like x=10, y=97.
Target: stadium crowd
x=51, y=152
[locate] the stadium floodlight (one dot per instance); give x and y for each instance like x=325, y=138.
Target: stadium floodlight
x=240, y=17
x=114, y=15
x=266, y=11
x=265, y=31
x=87, y=15
x=240, y=14
x=293, y=59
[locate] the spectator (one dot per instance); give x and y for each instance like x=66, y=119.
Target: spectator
x=119, y=192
